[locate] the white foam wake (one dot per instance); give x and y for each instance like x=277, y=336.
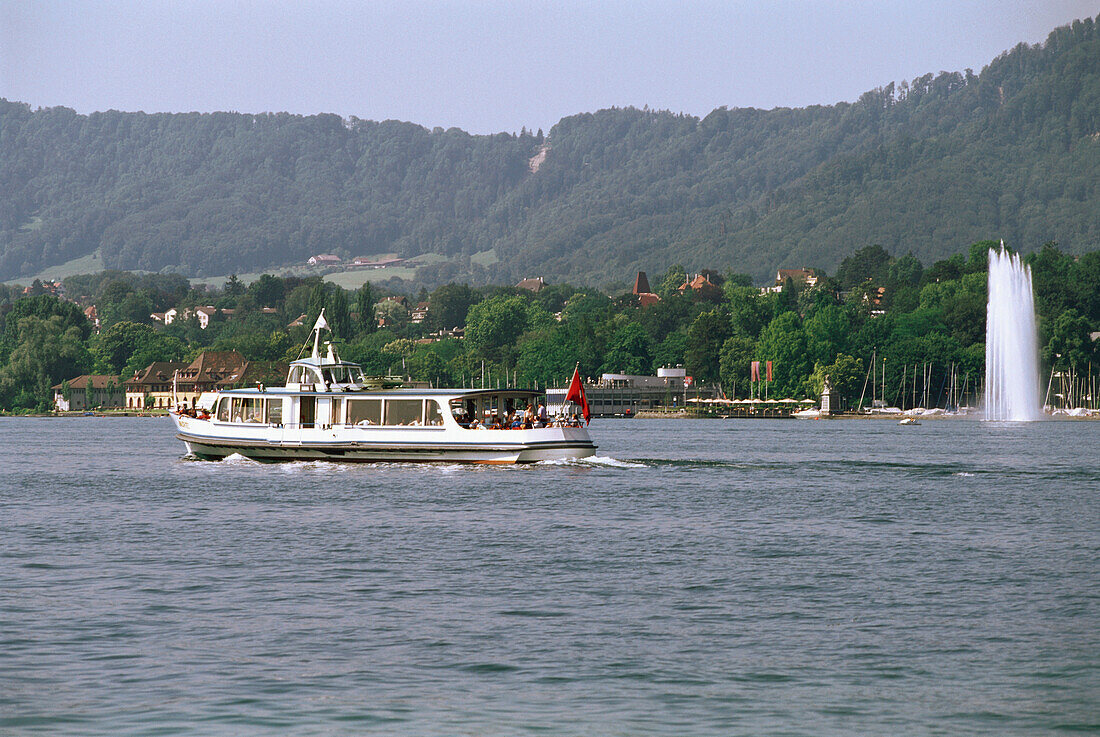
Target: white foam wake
x=236, y=459
x=603, y=461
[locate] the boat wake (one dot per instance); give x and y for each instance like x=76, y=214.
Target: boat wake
x=236, y=459
x=593, y=461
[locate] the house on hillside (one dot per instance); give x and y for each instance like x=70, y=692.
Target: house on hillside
x=642, y=291
x=323, y=259
x=532, y=284
x=93, y=317
x=419, y=313
x=700, y=284
x=88, y=391
x=389, y=311
x=799, y=277
x=362, y=262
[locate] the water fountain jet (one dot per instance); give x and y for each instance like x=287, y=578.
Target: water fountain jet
x=1011, y=341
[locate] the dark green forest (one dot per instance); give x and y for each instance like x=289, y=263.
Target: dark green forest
x=917, y=167
x=928, y=324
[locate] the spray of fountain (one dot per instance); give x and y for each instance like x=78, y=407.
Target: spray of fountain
x=1011, y=341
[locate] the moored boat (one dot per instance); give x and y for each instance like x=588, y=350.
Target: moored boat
x=328, y=410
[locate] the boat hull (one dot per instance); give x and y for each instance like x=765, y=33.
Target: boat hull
x=367, y=446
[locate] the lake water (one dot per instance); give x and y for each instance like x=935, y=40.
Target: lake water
x=702, y=577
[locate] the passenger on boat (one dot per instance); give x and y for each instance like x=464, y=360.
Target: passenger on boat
x=540, y=414
x=475, y=424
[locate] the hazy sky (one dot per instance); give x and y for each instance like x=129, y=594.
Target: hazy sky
x=492, y=66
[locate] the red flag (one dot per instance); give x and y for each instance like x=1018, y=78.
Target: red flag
x=576, y=394
x=755, y=371
x=769, y=370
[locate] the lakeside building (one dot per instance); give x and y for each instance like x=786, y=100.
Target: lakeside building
x=624, y=395
x=164, y=384
x=88, y=391
x=152, y=386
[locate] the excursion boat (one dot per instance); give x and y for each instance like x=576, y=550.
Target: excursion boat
x=329, y=410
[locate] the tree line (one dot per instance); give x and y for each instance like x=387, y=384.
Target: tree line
x=874, y=304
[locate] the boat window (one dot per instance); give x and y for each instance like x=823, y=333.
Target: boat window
x=337, y=405
x=364, y=412
x=223, y=409
x=337, y=374
x=296, y=375
x=247, y=409
x=403, y=411
x=433, y=413
x=275, y=411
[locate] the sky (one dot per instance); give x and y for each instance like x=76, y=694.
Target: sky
x=495, y=65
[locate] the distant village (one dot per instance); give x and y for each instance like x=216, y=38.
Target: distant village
x=165, y=384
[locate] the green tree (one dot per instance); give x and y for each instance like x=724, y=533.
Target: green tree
x=828, y=331
x=160, y=348
x=134, y=307
x=268, y=291
x=233, y=287
x=339, y=318
x=318, y=297
x=705, y=338
x=749, y=310
x=671, y=282
x=1070, y=345
x=46, y=352
x=1050, y=273
x=671, y=350
x=493, y=326
x=784, y=343
x=846, y=375
x=424, y=364
x=738, y=353
x=364, y=309
x=546, y=356
x=114, y=346
x=868, y=263
x=628, y=351
x=449, y=305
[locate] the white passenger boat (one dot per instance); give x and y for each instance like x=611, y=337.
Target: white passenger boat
x=329, y=410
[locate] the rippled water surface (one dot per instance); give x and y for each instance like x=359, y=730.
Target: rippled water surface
x=697, y=578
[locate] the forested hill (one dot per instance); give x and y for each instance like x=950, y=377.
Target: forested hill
x=926, y=166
